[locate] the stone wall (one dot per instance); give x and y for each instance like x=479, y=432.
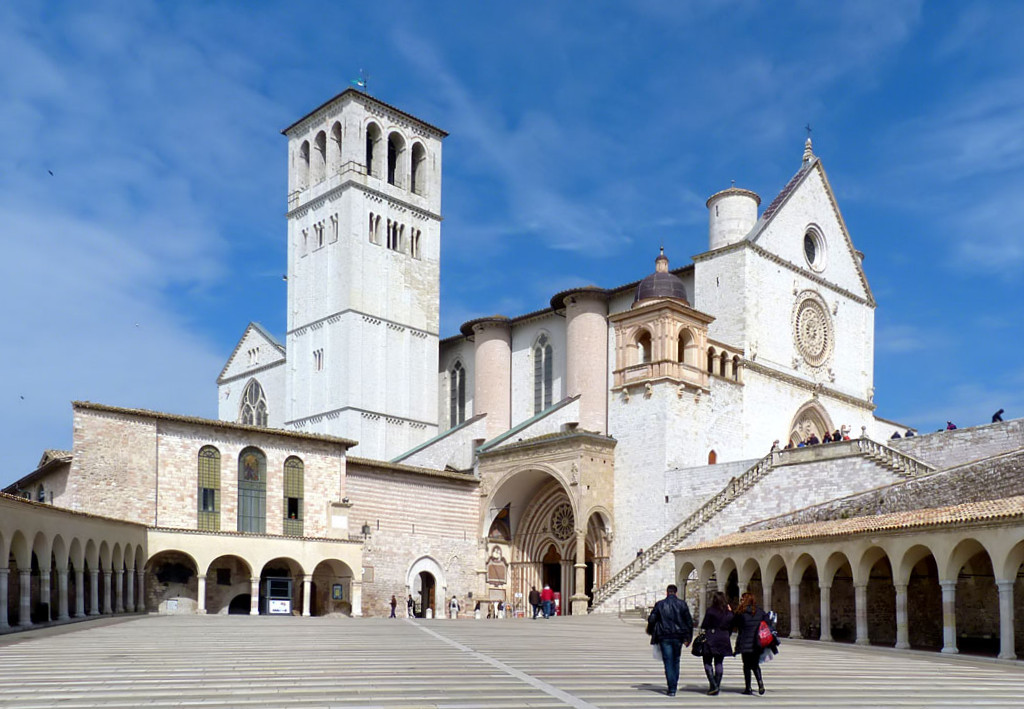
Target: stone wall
x=412, y=516
x=945, y=449
x=993, y=478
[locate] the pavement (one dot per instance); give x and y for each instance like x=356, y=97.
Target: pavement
x=597, y=661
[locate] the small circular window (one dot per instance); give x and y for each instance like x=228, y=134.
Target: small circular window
x=814, y=249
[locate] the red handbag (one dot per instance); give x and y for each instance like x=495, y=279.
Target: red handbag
x=764, y=634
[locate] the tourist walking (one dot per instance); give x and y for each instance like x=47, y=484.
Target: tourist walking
x=748, y=621
x=717, y=626
x=547, y=599
x=394, y=604
x=535, y=601
x=411, y=607
x=453, y=608
x=670, y=626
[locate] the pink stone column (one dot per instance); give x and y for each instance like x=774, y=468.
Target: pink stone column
x=62, y=594
x=949, y=617
x=201, y=594
x=307, y=588
x=826, y=613
x=25, y=598
x=4, y=572
x=902, y=626
x=1007, y=645
x=794, y=611
x=44, y=591
x=94, y=592
x=254, y=596
x=107, y=576
x=860, y=599
x=119, y=591
x=129, y=588
x=579, y=598
x=79, y=593
x=140, y=600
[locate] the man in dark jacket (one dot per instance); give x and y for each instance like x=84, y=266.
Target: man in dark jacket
x=670, y=626
x=535, y=601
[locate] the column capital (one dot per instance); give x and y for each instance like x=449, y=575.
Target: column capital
x=948, y=585
x=1006, y=585
x=201, y=576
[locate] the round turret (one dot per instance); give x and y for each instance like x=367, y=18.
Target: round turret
x=733, y=213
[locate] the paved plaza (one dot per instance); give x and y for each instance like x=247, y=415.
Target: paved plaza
x=237, y=661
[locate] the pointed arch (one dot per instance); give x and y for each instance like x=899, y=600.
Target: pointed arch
x=543, y=368
x=253, y=410
x=810, y=418
x=456, y=394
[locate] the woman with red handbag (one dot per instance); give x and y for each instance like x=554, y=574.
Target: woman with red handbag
x=748, y=621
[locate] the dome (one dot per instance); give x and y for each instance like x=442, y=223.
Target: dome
x=661, y=283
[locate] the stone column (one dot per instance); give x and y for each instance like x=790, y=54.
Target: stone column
x=25, y=598
x=949, y=616
x=860, y=599
x=3, y=597
x=140, y=600
x=79, y=593
x=201, y=594
x=826, y=613
x=579, y=598
x=44, y=591
x=357, y=600
x=129, y=588
x=794, y=611
x=586, y=326
x=62, y=594
x=307, y=588
x=902, y=626
x=1007, y=644
x=119, y=591
x=94, y=591
x=107, y=608
x=254, y=596
x=492, y=372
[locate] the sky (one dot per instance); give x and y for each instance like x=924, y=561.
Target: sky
x=143, y=183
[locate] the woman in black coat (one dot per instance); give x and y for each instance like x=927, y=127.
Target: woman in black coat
x=747, y=622
x=717, y=625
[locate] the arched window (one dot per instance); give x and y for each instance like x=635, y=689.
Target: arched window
x=687, y=348
x=252, y=491
x=712, y=458
x=721, y=364
x=254, y=405
x=711, y=360
x=414, y=244
x=396, y=149
x=334, y=150
x=543, y=366
x=373, y=138
x=303, y=166
x=643, y=347
x=419, y=168
x=457, y=394
x=319, y=166
x=293, y=483
x=208, y=494
x=736, y=368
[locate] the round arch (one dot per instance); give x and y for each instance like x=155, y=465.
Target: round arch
x=427, y=584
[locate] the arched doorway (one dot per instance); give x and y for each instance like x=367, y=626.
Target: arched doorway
x=281, y=580
x=331, y=589
x=426, y=590
x=426, y=583
x=172, y=585
x=810, y=418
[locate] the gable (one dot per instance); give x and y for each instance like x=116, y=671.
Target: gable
x=808, y=204
x=271, y=353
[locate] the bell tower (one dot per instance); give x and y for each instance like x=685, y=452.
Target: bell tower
x=364, y=231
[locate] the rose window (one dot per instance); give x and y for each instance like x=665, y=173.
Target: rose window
x=813, y=331
x=561, y=521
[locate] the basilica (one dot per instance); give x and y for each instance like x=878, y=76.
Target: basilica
x=366, y=454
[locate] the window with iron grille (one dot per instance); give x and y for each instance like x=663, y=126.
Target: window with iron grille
x=208, y=495
x=293, y=483
x=252, y=491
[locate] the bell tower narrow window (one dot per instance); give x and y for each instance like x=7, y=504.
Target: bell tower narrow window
x=543, y=368
x=457, y=394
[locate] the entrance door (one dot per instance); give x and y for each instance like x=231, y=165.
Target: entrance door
x=552, y=569
x=427, y=588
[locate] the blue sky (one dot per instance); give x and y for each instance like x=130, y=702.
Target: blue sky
x=583, y=135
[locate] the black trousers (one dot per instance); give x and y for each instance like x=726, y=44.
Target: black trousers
x=713, y=669
x=752, y=664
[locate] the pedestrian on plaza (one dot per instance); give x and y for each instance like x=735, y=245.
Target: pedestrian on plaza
x=535, y=601
x=394, y=604
x=411, y=606
x=670, y=626
x=454, y=608
x=547, y=599
x=501, y=610
x=997, y=416
x=717, y=626
x=747, y=621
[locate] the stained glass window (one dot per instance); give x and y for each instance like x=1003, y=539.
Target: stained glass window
x=252, y=491
x=254, y=405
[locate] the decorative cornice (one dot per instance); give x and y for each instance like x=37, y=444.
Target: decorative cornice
x=333, y=413
x=322, y=199
x=807, y=385
x=302, y=328
x=252, y=372
x=367, y=102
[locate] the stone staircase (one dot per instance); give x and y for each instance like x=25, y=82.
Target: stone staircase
x=900, y=464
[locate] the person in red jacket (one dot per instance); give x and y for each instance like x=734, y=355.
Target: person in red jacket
x=547, y=599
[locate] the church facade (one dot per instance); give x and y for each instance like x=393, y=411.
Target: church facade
x=366, y=455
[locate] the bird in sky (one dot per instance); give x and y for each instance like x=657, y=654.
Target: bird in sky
x=51, y=172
